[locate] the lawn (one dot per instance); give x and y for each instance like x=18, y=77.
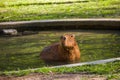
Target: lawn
x=12, y=10
x=110, y=70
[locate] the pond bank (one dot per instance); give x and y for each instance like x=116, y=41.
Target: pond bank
x=63, y=24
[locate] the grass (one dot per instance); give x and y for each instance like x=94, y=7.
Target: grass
x=12, y=10
x=110, y=70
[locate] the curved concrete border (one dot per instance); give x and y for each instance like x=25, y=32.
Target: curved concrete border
x=76, y=64
x=63, y=24
x=89, y=63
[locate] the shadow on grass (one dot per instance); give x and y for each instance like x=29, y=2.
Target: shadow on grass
x=46, y=3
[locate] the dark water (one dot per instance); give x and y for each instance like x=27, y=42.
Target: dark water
x=22, y=52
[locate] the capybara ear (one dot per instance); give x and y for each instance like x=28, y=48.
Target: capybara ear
x=72, y=35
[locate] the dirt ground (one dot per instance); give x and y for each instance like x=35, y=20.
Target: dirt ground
x=51, y=76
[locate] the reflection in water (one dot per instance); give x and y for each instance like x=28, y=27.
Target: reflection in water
x=22, y=52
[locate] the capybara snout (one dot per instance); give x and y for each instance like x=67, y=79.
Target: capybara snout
x=68, y=40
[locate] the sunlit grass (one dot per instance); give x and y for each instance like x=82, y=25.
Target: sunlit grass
x=33, y=10
x=110, y=70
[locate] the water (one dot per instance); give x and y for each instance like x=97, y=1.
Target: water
x=22, y=52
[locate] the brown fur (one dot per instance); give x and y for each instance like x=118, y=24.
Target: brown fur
x=65, y=50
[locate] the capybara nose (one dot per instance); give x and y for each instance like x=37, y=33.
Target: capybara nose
x=64, y=38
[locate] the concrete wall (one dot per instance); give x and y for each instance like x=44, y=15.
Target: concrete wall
x=63, y=24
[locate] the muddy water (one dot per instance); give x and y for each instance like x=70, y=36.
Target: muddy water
x=22, y=52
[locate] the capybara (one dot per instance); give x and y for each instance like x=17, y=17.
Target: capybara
x=65, y=50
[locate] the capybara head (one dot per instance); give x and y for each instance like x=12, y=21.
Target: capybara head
x=68, y=41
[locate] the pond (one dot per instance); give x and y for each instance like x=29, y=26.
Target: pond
x=22, y=52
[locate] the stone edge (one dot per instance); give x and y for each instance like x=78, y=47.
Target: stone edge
x=63, y=24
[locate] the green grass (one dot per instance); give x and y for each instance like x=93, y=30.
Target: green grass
x=110, y=70
x=12, y=10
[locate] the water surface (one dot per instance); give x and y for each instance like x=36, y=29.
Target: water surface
x=22, y=52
